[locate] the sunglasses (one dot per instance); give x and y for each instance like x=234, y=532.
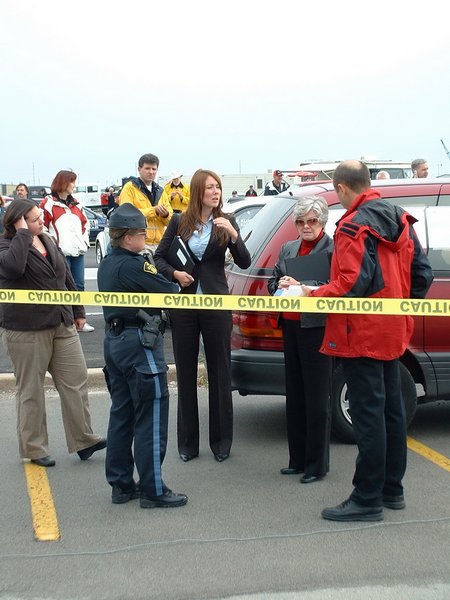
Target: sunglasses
x=309, y=222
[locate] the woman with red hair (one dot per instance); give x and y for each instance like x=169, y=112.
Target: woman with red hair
x=66, y=221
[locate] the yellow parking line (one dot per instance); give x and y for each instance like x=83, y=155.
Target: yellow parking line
x=43, y=512
x=438, y=459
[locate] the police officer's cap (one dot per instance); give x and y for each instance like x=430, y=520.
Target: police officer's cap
x=127, y=216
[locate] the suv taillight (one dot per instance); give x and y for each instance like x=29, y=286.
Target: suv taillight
x=256, y=331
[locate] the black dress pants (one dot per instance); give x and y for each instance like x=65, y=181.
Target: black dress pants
x=378, y=417
x=308, y=407
x=215, y=328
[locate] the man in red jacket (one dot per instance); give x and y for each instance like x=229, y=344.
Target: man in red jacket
x=377, y=254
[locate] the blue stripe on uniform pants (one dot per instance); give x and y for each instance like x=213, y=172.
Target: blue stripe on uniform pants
x=156, y=421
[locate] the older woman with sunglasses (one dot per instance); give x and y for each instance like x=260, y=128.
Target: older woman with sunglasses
x=308, y=373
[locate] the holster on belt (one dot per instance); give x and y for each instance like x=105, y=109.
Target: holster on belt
x=151, y=328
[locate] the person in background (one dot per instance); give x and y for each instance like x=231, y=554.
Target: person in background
x=383, y=175
x=209, y=234
x=277, y=185
x=112, y=200
x=65, y=220
x=40, y=338
x=308, y=373
x=176, y=193
x=146, y=195
x=251, y=191
x=136, y=370
x=377, y=254
x=419, y=168
x=22, y=191
x=2, y=212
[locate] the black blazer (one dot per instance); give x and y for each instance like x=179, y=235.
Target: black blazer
x=290, y=250
x=210, y=270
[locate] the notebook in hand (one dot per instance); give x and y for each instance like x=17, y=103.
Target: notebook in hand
x=312, y=267
x=179, y=256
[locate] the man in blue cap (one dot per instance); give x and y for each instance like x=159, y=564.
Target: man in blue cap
x=136, y=370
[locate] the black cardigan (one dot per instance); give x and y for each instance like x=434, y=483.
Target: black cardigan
x=22, y=267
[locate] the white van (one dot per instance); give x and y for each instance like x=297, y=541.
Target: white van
x=88, y=194
x=322, y=171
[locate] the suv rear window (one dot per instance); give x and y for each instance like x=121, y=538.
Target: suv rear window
x=260, y=229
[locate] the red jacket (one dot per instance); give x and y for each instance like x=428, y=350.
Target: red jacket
x=67, y=223
x=376, y=255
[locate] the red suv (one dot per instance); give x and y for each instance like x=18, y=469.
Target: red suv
x=257, y=360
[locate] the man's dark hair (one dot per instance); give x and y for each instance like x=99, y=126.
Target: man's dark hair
x=352, y=173
x=25, y=186
x=149, y=159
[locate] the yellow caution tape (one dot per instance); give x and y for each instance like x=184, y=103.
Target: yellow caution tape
x=387, y=306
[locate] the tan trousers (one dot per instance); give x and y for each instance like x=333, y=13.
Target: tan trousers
x=59, y=352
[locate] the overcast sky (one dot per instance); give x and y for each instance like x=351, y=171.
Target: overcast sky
x=234, y=86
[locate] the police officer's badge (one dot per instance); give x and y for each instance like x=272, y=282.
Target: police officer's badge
x=149, y=268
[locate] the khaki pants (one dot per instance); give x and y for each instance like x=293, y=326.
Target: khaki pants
x=59, y=352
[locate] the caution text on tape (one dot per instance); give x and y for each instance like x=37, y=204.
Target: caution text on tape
x=389, y=306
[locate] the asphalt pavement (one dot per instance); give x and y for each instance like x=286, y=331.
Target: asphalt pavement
x=246, y=532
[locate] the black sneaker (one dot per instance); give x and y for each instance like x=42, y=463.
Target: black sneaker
x=120, y=496
x=394, y=502
x=349, y=510
x=167, y=500
x=88, y=452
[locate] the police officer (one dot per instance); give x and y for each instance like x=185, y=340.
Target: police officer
x=136, y=370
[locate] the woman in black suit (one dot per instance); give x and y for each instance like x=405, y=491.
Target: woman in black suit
x=208, y=233
x=308, y=373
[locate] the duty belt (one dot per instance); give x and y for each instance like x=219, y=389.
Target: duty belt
x=118, y=325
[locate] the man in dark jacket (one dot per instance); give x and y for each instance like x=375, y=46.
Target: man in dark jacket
x=277, y=185
x=377, y=254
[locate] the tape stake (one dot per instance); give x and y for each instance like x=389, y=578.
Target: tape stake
x=43, y=512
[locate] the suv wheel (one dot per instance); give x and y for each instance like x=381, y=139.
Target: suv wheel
x=341, y=422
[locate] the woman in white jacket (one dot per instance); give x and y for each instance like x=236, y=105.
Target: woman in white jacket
x=66, y=221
